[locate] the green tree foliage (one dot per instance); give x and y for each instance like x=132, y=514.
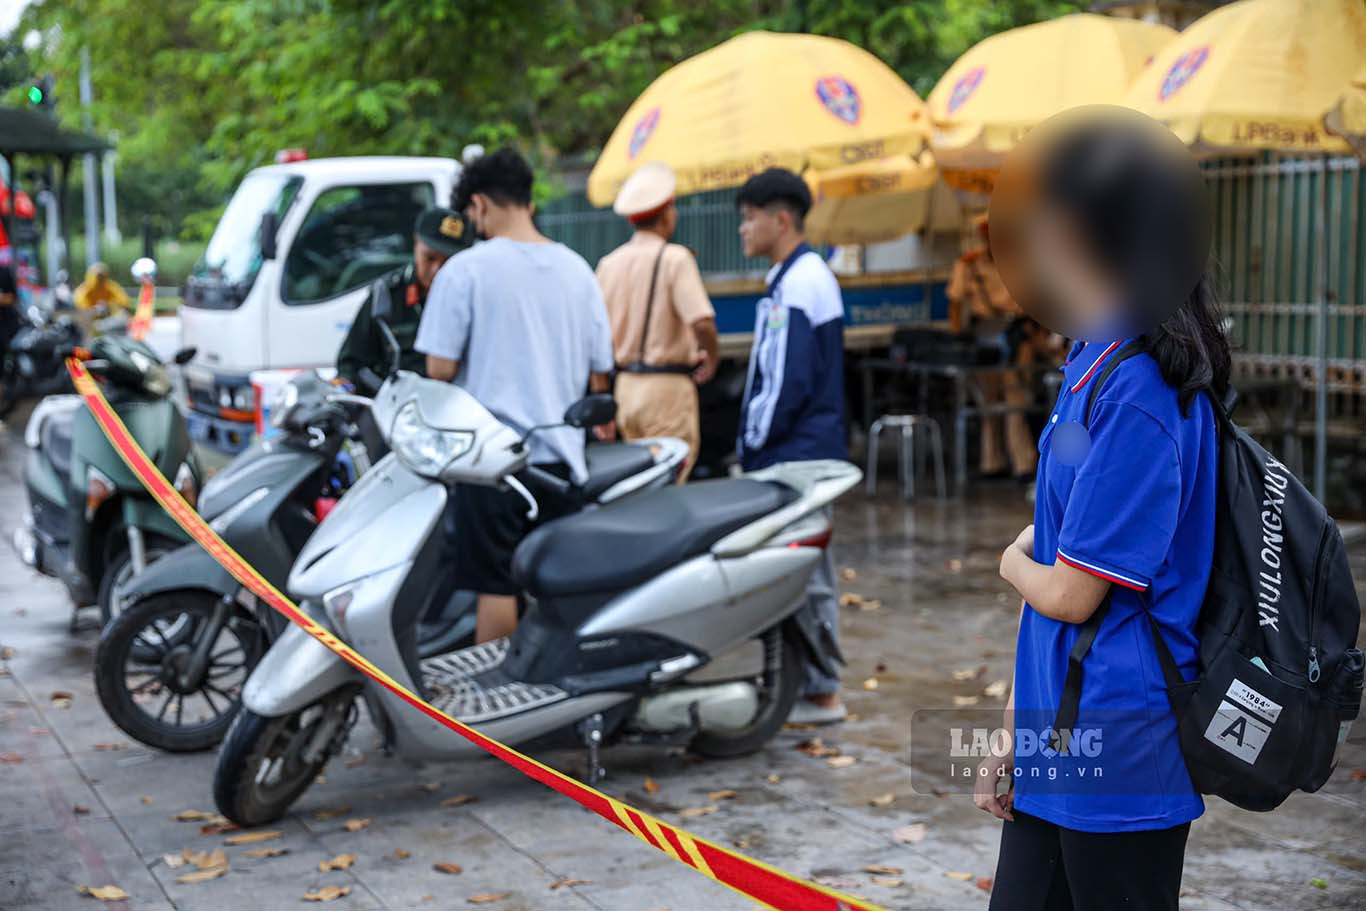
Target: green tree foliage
x=200, y=91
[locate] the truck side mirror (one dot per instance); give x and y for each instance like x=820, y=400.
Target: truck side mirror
x=270, y=225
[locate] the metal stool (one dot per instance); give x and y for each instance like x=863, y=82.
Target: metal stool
x=907, y=464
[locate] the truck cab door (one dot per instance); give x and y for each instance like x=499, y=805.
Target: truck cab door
x=351, y=234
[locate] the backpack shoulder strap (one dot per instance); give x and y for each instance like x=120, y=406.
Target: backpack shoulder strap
x=1132, y=349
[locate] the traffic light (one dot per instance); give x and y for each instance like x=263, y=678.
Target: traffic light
x=40, y=94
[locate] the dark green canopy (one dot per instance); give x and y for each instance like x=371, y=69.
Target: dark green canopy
x=33, y=133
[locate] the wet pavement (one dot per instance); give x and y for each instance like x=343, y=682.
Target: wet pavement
x=929, y=627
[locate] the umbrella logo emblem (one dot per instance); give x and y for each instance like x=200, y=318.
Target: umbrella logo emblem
x=1182, y=69
x=644, y=129
x=964, y=87
x=840, y=98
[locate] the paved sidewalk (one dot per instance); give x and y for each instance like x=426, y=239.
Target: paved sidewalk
x=80, y=804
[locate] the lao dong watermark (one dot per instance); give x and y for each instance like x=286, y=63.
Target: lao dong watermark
x=969, y=746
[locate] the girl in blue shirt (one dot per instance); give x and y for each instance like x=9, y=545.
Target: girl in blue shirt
x=1124, y=512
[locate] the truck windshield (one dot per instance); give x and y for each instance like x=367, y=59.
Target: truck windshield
x=233, y=256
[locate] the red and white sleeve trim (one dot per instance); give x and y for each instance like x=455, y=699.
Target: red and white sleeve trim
x=1106, y=574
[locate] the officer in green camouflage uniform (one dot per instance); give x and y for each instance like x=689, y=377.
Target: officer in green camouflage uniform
x=438, y=235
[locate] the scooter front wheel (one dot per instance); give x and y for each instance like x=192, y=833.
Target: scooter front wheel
x=169, y=669
x=266, y=763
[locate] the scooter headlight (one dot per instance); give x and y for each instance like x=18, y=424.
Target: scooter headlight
x=425, y=449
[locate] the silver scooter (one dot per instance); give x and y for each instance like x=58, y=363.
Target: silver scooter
x=670, y=616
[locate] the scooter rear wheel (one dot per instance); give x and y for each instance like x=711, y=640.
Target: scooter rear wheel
x=775, y=704
x=142, y=665
x=264, y=764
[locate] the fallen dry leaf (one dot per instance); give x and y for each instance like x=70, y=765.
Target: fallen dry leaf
x=969, y=673
x=458, y=800
x=569, y=881
x=332, y=812
x=954, y=566
x=6, y=653
x=723, y=794
x=449, y=869
x=205, y=860
x=355, y=825
x=841, y=762
x=265, y=852
x=400, y=854
x=484, y=898
x=355, y=761
x=850, y=599
x=194, y=816
x=61, y=699
x=429, y=786
x=836, y=882
x=995, y=689
x=11, y=758
x=984, y=883
x=883, y=870
x=848, y=574
x=111, y=747
x=251, y=838
x=651, y=786
x=883, y=800
x=218, y=827
x=146, y=801
x=773, y=778
x=889, y=882
x=958, y=875
x=694, y=812
x=814, y=746
x=80, y=810
x=910, y=835
x=1359, y=774
x=174, y=860
x=327, y=893
x=870, y=683
x=202, y=876
x=103, y=893
x=869, y=604
x=340, y=862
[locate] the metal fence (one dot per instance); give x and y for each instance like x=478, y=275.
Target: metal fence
x=708, y=223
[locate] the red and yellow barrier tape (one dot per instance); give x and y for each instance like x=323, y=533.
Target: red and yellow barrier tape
x=745, y=875
x=142, y=316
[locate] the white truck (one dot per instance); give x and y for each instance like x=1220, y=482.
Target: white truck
x=289, y=263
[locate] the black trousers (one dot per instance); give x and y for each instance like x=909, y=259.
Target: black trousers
x=1044, y=867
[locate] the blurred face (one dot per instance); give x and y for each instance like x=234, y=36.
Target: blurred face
x=426, y=262
x=761, y=229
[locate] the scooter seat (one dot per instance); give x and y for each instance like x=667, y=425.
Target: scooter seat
x=623, y=544
x=55, y=440
x=609, y=463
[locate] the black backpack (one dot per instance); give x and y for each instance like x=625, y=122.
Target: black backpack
x=1280, y=677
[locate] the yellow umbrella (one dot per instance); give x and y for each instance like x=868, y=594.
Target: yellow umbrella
x=761, y=100
x=1259, y=74
x=1348, y=117
x=1012, y=81
x=878, y=200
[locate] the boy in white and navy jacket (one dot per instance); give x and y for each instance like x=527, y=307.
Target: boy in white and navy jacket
x=793, y=408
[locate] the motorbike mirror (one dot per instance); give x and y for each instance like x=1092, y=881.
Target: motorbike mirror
x=144, y=270
x=270, y=226
x=185, y=355
x=395, y=350
x=381, y=304
x=591, y=410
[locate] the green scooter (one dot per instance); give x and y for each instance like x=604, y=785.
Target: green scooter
x=91, y=523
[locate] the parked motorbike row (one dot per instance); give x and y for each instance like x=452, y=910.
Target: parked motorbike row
x=651, y=612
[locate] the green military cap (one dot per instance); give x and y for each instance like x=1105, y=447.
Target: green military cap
x=443, y=230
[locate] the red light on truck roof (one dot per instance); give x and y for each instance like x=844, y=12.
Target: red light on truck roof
x=285, y=156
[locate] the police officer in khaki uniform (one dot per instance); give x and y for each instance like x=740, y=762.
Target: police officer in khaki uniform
x=663, y=326
x=438, y=235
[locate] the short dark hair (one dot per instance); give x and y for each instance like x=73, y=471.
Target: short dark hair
x=777, y=187
x=503, y=176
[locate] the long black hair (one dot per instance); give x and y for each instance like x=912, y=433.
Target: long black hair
x=1140, y=208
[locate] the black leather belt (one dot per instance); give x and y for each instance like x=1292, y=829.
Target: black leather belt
x=639, y=367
